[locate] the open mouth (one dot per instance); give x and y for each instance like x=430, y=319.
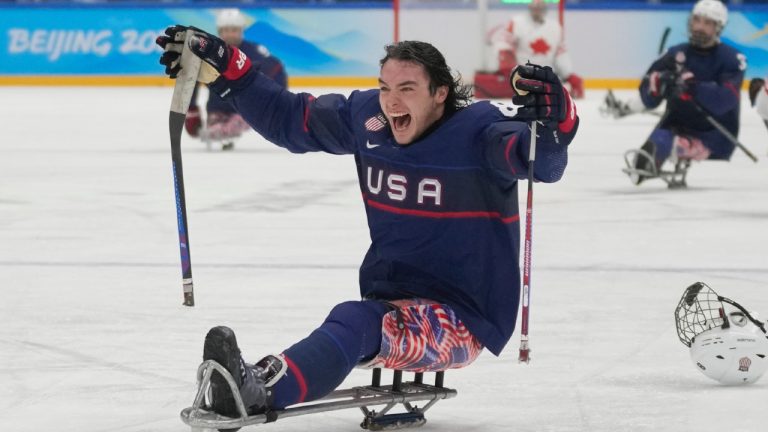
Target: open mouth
x=400, y=121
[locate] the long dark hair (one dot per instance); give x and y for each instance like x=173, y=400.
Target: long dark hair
x=459, y=94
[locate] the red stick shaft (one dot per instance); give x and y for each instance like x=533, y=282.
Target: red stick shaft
x=396, y=10
x=528, y=245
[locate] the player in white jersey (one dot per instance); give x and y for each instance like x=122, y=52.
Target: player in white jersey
x=534, y=38
x=758, y=95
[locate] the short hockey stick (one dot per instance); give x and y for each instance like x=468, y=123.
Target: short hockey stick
x=182, y=95
x=663, y=43
x=525, y=350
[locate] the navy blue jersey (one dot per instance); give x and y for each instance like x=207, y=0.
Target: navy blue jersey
x=442, y=211
x=718, y=75
x=260, y=58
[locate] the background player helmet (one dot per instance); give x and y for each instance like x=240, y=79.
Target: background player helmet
x=538, y=9
x=712, y=9
x=700, y=35
x=230, y=18
x=231, y=24
x=727, y=343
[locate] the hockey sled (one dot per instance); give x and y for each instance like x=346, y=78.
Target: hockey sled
x=635, y=158
x=613, y=107
x=390, y=396
x=217, y=142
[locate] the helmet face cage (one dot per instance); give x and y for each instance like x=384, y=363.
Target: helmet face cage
x=701, y=309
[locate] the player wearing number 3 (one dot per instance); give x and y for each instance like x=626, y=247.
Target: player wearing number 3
x=438, y=178
x=700, y=81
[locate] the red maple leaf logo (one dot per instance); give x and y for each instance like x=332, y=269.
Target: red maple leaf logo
x=540, y=46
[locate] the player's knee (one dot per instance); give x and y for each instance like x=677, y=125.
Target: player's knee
x=722, y=154
x=364, y=316
x=351, y=312
x=720, y=147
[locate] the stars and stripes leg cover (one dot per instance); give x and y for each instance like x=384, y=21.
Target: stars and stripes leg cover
x=424, y=336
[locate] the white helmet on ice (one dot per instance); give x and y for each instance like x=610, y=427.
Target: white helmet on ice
x=712, y=9
x=729, y=346
x=230, y=18
x=731, y=356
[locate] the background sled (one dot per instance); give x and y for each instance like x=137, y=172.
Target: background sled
x=217, y=142
x=363, y=397
x=675, y=179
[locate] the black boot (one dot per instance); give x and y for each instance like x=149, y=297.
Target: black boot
x=645, y=162
x=221, y=347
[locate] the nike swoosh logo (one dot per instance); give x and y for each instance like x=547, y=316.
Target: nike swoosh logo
x=370, y=146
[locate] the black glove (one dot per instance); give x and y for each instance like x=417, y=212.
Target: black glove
x=226, y=60
x=670, y=84
x=171, y=43
x=540, y=93
x=755, y=85
x=666, y=83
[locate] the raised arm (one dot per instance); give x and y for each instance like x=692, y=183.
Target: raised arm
x=298, y=122
x=507, y=141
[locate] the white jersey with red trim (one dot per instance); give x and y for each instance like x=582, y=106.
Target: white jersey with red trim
x=538, y=42
x=761, y=101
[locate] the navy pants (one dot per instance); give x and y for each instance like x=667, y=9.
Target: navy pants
x=319, y=363
x=720, y=146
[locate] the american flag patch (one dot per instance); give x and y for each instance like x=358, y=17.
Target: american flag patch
x=744, y=364
x=376, y=123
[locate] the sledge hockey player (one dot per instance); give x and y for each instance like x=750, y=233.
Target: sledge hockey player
x=703, y=76
x=758, y=96
x=531, y=37
x=223, y=123
x=439, y=183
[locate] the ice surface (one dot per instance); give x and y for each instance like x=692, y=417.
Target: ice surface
x=93, y=336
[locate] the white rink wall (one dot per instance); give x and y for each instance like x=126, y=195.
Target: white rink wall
x=605, y=45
